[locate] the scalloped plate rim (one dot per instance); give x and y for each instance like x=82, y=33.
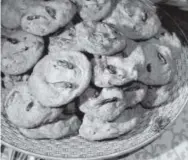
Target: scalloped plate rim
x=114, y=155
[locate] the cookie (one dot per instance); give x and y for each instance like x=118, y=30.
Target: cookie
x=116, y=71
x=10, y=17
x=172, y=42
x=99, y=38
x=159, y=67
x=94, y=129
x=5, y=32
x=56, y=130
x=107, y=106
x=110, y=103
x=48, y=16
x=10, y=81
x=60, y=78
x=65, y=41
x=136, y=19
x=95, y=10
x=25, y=111
x=13, y=10
x=20, y=52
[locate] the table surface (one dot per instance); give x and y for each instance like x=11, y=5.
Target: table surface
x=171, y=145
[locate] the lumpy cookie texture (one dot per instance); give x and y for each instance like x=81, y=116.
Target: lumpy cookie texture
x=149, y=63
x=65, y=41
x=99, y=38
x=112, y=71
x=60, y=78
x=13, y=10
x=94, y=129
x=48, y=16
x=9, y=81
x=95, y=38
x=56, y=130
x=95, y=9
x=107, y=106
x=110, y=102
x=135, y=19
x=25, y=111
x=20, y=52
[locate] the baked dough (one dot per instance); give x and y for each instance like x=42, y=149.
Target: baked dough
x=95, y=10
x=99, y=38
x=65, y=41
x=60, y=78
x=112, y=101
x=25, y=111
x=56, y=130
x=136, y=19
x=94, y=129
x=117, y=71
x=47, y=16
x=20, y=52
x=10, y=81
x=107, y=106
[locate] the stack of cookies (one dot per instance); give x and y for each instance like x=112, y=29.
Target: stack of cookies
x=82, y=66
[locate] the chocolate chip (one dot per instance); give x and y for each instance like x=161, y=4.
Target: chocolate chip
x=65, y=64
x=29, y=106
x=13, y=40
x=51, y=12
x=110, y=100
x=111, y=69
x=148, y=67
x=161, y=58
x=68, y=85
x=30, y=18
x=26, y=48
x=64, y=85
x=145, y=17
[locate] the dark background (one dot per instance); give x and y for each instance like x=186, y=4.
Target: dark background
x=175, y=20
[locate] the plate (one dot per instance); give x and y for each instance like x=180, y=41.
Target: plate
x=152, y=124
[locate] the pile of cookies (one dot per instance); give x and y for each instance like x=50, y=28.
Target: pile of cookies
x=81, y=66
